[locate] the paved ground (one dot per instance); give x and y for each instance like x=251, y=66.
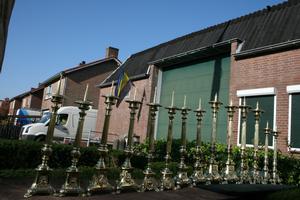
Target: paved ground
x=15, y=189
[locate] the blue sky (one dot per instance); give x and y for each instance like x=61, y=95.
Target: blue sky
x=46, y=37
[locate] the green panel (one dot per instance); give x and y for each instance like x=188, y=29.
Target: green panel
x=295, y=121
x=266, y=103
x=195, y=80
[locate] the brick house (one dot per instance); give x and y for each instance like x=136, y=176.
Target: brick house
x=30, y=100
x=256, y=57
x=74, y=80
x=4, y=107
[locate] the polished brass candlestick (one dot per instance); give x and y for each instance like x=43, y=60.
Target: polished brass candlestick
x=72, y=183
x=198, y=176
x=230, y=173
x=149, y=182
x=213, y=175
x=182, y=178
x=167, y=181
x=256, y=177
x=244, y=171
x=99, y=181
x=266, y=174
x=126, y=181
x=275, y=177
x=41, y=184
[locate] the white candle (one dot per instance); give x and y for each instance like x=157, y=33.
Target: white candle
x=59, y=85
x=244, y=103
x=86, y=91
x=112, y=88
x=184, y=101
x=257, y=105
x=172, y=100
x=231, y=104
x=134, y=94
x=216, y=97
x=154, y=98
x=199, y=107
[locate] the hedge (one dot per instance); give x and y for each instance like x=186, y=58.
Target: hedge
x=23, y=155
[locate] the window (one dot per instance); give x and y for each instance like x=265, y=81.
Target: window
x=267, y=102
x=48, y=92
x=62, y=119
x=294, y=117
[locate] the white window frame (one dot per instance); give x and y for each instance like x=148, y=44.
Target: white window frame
x=252, y=93
x=291, y=89
x=48, y=92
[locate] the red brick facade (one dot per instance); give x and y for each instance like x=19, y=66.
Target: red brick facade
x=276, y=70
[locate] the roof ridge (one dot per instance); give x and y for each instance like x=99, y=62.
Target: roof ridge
x=267, y=9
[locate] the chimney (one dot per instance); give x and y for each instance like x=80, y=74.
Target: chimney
x=111, y=52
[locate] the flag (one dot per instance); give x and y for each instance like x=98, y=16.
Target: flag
x=123, y=85
x=140, y=109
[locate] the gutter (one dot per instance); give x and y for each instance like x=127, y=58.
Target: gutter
x=215, y=45
x=268, y=48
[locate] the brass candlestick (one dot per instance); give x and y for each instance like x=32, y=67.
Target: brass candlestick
x=41, y=184
x=275, y=177
x=72, y=183
x=149, y=182
x=126, y=181
x=99, y=181
x=256, y=178
x=244, y=171
x=213, y=175
x=182, y=178
x=266, y=175
x=230, y=173
x=167, y=182
x=198, y=175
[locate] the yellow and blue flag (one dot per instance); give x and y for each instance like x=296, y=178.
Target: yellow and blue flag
x=123, y=85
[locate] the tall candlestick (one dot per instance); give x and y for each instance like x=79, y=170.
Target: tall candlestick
x=184, y=101
x=111, y=88
x=172, y=100
x=86, y=91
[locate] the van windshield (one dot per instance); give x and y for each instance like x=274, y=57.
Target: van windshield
x=62, y=119
x=46, y=116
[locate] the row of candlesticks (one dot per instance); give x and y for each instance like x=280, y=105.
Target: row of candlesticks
x=99, y=182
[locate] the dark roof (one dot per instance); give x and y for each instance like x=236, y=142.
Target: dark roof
x=272, y=25
x=81, y=66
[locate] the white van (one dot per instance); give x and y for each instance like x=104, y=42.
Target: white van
x=66, y=125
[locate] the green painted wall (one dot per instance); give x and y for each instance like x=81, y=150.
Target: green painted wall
x=295, y=126
x=202, y=79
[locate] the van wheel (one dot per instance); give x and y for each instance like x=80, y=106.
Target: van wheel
x=40, y=138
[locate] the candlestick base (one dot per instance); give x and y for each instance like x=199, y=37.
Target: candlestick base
x=182, y=179
x=41, y=183
x=266, y=177
x=230, y=175
x=72, y=186
x=245, y=177
x=99, y=182
x=213, y=175
x=167, y=181
x=149, y=182
x=127, y=183
x=275, y=180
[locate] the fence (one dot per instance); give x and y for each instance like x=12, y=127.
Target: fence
x=10, y=128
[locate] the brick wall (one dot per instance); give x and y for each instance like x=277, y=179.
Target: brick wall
x=276, y=70
x=77, y=81
x=119, y=121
